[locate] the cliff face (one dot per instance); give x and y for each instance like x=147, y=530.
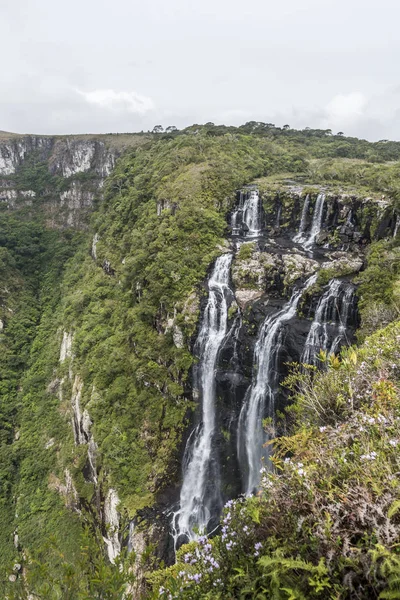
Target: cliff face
x=60, y=177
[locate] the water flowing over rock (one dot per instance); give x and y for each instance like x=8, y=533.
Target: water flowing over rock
x=328, y=329
x=251, y=214
x=246, y=218
x=260, y=399
x=304, y=218
x=200, y=497
x=308, y=240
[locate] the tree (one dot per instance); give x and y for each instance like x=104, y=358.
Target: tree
x=286, y=127
x=158, y=129
x=171, y=129
x=340, y=133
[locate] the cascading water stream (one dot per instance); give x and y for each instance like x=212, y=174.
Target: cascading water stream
x=328, y=330
x=260, y=397
x=200, y=497
x=251, y=214
x=246, y=218
x=299, y=237
x=344, y=312
x=308, y=240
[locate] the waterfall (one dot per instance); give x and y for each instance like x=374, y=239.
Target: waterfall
x=200, y=498
x=317, y=221
x=278, y=217
x=246, y=218
x=251, y=213
x=299, y=237
x=235, y=222
x=308, y=240
x=262, y=391
x=328, y=330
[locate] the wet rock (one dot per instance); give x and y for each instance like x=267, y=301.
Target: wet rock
x=107, y=268
x=252, y=273
x=297, y=266
x=243, y=297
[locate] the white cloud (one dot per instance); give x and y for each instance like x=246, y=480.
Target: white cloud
x=119, y=101
x=346, y=106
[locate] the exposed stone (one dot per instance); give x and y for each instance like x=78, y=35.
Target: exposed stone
x=177, y=336
x=165, y=204
x=96, y=238
x=243, y=297
x=76, y=410
x=76, y=201
x=252, y=273
x=297, y=266
x=67, y=489
x=111, y=520
x=107, y=268
x=66, y=346
x=343, y=264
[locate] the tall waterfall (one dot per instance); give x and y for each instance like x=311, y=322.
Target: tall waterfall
x=328, y=330
x=251, y=213
x=307, y=240
x=200, y=497
x=260, y=397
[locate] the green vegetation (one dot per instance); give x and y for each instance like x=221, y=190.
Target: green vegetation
x=379, y=289
x=160, y=225
x=326, y=523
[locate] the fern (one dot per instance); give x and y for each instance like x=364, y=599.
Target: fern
x=389, y=566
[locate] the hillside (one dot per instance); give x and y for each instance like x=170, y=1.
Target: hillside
x=170, y=304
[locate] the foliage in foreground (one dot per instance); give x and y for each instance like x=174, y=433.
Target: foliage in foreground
x=53, y=576
x=326, y=523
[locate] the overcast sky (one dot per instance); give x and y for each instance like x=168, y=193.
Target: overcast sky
x=90, y=66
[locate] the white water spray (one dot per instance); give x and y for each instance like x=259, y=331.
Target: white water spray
x=328, y=330
x=308, y=240
x=251, y=214
x=200, y=497
x=260, y=398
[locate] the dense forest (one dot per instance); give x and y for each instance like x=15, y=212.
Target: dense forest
x=98, y=322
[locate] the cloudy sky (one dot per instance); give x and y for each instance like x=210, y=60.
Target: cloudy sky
x=126, y=65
